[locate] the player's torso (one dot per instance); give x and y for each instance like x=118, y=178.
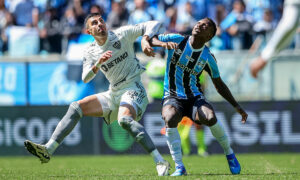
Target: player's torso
x=123, y=63
x=184, y=67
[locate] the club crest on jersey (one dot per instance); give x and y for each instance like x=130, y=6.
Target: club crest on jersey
x=117, y=45
x=200, y=63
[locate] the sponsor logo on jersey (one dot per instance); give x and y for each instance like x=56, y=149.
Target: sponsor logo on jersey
x=117, y=45
x=187, y=69
x=183, y=66
x=106, y=67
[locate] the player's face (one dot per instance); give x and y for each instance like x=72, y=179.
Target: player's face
x=203, y=29
x=96, y=26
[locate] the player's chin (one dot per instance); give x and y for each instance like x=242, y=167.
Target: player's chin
x=196, y=33
x=103, y=33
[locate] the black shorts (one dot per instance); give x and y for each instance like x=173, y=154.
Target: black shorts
x=188, y=107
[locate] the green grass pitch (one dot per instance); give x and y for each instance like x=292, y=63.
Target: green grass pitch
x=254, y=166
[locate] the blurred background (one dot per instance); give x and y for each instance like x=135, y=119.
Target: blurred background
x=41, y=47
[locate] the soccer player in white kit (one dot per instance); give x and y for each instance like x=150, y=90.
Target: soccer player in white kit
x=126, y=100
x=282, y=35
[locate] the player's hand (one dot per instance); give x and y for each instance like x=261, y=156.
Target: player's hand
x=147, y=49
x=242, y=113
x=257, y=65
x=104, y=57
x=169, y=45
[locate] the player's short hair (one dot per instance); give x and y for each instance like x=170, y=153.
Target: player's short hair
x=213, y=25
x=88, y=17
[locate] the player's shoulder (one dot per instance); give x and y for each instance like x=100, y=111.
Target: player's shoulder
x=210, y=55
x=123, y=29
x=172, y=35
x=175, y=37
x=90, y=45
x=113, y=35
x=89, y=48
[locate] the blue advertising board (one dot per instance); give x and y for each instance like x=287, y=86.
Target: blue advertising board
x=49, y=84
x=12, y=84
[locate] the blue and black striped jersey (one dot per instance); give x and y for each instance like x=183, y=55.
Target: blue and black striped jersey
x=184, y=67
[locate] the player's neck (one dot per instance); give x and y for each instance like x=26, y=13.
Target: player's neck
x=101, y=40
x=196, y=43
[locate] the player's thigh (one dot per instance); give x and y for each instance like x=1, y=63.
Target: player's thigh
x=127, y=110
x=205, y=113
x=172, y=112
x=91, y=106
x=133, y=101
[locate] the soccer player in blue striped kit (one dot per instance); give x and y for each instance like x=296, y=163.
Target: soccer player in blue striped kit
x=188, y=56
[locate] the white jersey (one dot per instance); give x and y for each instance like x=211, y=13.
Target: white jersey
x=123, y=66
x=285, y=30
x=292, y=2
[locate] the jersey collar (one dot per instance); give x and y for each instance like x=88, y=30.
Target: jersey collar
x=195, y=50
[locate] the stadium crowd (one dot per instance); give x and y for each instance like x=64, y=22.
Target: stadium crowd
x=60, y=22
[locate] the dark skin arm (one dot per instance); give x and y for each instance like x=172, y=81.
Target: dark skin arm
x=224, y=91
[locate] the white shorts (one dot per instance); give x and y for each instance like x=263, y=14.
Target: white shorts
x=133, y=94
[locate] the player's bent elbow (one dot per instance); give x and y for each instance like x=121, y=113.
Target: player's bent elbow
x=85, y=79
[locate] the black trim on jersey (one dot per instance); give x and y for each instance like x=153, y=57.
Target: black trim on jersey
x=207, y=69
x=186, y=74
x=172, y=68
x=198, y=82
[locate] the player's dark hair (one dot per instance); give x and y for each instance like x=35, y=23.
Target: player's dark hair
x=213, y=25
x=88, y=17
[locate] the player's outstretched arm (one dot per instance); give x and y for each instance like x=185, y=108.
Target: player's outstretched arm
x=148, y=43
x=146, y=48
x=155, y=42
x=281, y=37
x=224, y=91
x=257, y=66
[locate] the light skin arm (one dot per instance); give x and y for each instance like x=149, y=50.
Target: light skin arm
x=148, y=43
x=146, y=48
x=281, y=37
x=155, y=42
x=257, y=65
x=224, y=91
x=105, y=56
x=89, y=72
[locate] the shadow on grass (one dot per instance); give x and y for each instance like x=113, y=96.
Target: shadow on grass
x=138, y=176
x=101, y=175
x=243, y=174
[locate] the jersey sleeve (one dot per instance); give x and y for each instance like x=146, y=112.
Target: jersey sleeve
x=211, y=67
x=150, y=28
x=177, y=38
x=87, y=72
